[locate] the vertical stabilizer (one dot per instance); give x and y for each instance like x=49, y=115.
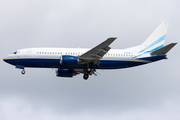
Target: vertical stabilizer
x=156, y=40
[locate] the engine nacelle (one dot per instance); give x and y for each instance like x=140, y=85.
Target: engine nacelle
x=64, y=72
x=69, y=60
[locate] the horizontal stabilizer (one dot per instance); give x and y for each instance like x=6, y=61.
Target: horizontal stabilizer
x=164, y=50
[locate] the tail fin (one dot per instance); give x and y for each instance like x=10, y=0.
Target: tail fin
x=157, y=36
x=156, y=40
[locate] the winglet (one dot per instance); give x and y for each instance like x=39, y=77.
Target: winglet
x=164, y=50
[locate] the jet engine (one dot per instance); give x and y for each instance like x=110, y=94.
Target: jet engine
x=65, y=72
x=69, y=60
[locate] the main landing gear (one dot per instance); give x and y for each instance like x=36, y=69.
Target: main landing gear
x=86, y=76
x=87, y=72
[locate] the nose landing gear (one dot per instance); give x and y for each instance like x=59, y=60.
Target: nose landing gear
x=23, y=71
x=21, y=67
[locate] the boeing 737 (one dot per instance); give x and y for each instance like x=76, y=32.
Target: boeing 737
x=69, y=62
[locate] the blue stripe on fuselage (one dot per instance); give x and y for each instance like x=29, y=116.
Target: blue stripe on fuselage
x=154, y=43
x=151, y=50
x=104, y=63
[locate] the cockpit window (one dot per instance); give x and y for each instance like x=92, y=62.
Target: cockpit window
x=15, y=52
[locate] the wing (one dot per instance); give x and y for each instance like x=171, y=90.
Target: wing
x=96, y=53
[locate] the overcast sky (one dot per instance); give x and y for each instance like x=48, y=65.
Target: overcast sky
x=146, y=92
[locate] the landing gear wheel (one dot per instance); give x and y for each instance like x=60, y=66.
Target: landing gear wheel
x=86, y=76
x=88, y=70
x=23, y=71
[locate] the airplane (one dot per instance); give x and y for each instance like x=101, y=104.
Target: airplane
x=69, y=62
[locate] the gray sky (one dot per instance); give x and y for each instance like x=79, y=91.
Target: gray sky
x=145, y=92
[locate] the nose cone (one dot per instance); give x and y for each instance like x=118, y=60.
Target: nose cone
x=5, y=59
x=8, y=59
